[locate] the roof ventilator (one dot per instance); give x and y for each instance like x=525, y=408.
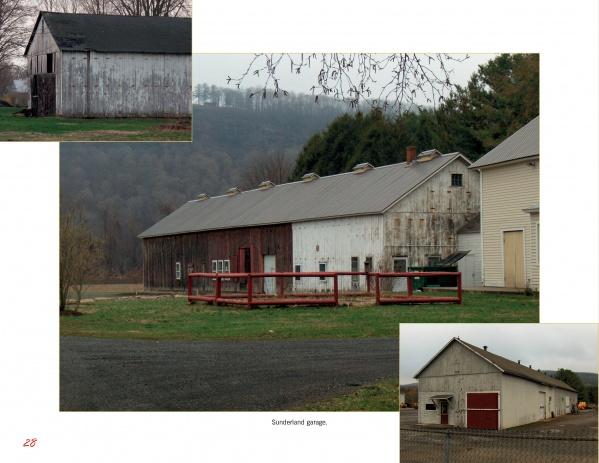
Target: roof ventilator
x=310, y=177
x=428, y=155
x=266, y=185
x=233, y=191
x=202, y=197
x=362, y=167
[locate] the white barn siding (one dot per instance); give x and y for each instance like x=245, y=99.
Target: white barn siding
x=42, y=44
x=470, y=265
x=336, y=241
x=425, y=222
x=125, y=84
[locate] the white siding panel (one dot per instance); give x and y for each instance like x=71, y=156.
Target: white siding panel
x=335, y=242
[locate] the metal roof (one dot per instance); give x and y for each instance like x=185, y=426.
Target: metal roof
x=506, y=366
x=348, y=194
x=524, y=143
x=117, y=34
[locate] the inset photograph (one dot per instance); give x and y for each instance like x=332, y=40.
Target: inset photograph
x=95, y=71
x=498, y=392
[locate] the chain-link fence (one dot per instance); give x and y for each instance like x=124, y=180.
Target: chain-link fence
x=440, y=445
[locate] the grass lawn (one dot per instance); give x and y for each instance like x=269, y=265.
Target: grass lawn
x=21, y=128
x=382, y=396
x=174, y=318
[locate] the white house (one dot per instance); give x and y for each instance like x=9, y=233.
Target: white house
x=466, y=386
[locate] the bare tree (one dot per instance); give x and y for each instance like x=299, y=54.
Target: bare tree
x=152, y=7
x=80, y=255
x=59, y=6
x=97, y=6
x=14, y=31
x=392, y=82
x=275, y=166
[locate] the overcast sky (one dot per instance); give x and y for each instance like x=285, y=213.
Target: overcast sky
x=213, y=69
x=545, y=346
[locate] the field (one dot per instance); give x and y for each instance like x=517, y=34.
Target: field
x=20, y=128
x=172, y=318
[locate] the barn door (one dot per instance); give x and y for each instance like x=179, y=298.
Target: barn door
x=400, y=264
x=542, y=406
x=444, y=412
x=482, y=410
x=43, y=95
x=270, y=266
x=513, y=259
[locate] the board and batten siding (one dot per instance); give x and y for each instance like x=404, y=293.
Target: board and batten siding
x=125, y=84
x=42, y=44
x=335, y=242
x=198, y=250
x=424, y=223
x=507, y=190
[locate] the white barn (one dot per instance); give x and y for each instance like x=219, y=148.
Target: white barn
x=466, y=386
x=87, y=65
x=387, y=218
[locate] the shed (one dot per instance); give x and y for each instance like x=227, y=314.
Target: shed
x=510, y=215
x=386, y=218
x=88, y=65
x=467, y=386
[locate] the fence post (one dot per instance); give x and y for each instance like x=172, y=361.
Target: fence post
x=459, y=287
x=378, y=288
x=217, y=292
x=250, y=290
x=189, y=291
x=336, y=288
x=446, y=447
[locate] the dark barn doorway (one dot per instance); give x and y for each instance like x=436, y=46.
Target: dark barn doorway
x=43, y=95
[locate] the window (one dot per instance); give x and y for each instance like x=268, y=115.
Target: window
x=298, y=268
x=355, y=279
x=178, y=270
x=214, y=266
x=227, y=266
x=456, y=180
x=50, y=63
x=219, y=266
x=430, y=407
x=322, y=267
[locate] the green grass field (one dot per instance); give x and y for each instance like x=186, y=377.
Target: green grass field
x=21, y=128
x=173, y=318
x=382, y=396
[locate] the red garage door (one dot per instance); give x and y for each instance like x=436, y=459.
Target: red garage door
x=483, y=410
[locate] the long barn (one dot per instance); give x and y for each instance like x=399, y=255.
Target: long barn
x=89, y=65
x=387, y=218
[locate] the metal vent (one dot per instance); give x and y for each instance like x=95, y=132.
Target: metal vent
x=310, y=177
x=233, y=191
x=362, y=167
x=202, y=197
x=266, y=185
x=428, y=155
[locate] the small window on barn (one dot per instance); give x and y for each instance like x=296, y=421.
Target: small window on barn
x=430, y=407
x=50, y=63
x=456, y=180
x=298, y=268
x=219, y=267
x=322, y=267
x=214, y=266
x=226, y=266
x=178, y=270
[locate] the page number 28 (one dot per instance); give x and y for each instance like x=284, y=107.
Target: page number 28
x=30, y=442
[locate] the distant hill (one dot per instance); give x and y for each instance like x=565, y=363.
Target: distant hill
x=589, y=379
x=126, y=187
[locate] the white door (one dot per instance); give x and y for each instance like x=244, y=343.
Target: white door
x=542, y=406
x=270, y=265
x=400, y=264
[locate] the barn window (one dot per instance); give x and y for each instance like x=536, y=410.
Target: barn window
x=178, y=270
x=322, y=267
x=214, y=266
x=50, y=63
x=226, y=266
x=298, y=268
x=430, y=407
x=355, y=268
x=219, y=266
x=456, y=180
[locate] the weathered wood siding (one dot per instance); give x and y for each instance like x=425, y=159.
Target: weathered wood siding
x=125, y=84
x=199, y=250
x=506, y=191
x=425, y=222
x=335, y=242
x=42, y=44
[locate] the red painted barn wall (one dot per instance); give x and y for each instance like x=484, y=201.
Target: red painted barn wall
x=200, y=249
